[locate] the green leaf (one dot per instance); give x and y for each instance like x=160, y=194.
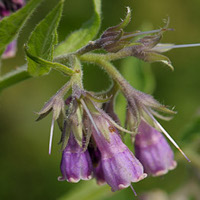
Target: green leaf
x=11, y=26
x=82, y=36
x=47, y=64
x=42, y=40
x=88, y=191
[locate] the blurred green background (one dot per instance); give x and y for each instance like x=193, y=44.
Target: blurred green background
x=26, y=169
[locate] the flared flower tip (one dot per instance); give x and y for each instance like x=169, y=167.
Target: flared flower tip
x=153, y=151
x=123, y=186
x=99, y=174
x=76, y=164
x=74, y=180
x=165, y=171
x=122, y=169
x=75, y=167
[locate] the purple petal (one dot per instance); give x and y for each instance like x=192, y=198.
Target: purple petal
x=76, y=164
x=99, y=174
x=120, y=167
x=10, y=50
x=153, y=151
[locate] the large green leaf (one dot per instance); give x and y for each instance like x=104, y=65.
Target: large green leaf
x=42, y=40
x=11, y=26
x=82, y=36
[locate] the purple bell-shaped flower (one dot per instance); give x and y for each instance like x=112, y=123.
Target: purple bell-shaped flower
x=76, y=163
x=153, y=151
x=119, y=165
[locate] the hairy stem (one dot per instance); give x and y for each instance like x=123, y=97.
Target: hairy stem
x=14, y=77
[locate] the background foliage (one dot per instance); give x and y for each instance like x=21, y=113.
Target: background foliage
x=28, y=172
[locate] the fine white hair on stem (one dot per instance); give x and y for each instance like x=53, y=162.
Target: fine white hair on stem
x=166, y=134
x=177, y=46
x=89, y=115
x=51, y=135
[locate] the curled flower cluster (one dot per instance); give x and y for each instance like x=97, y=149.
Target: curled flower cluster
x=7, y=7
x=93, y=147
x=101, y=154
x=92, y=137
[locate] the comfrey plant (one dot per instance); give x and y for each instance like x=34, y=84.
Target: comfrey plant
x=91, y=133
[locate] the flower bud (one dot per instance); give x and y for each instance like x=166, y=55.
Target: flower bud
x=153, y=151
x=146, y=49
x=76, y=164
x=112, y=39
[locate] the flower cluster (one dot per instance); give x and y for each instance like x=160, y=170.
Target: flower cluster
x=95, y=148
x=7, y=7
x=92, y=137
x=92, y=145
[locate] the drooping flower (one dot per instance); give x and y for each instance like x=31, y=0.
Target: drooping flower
x=76, y=164
x=153, y=151
x=119, y=166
